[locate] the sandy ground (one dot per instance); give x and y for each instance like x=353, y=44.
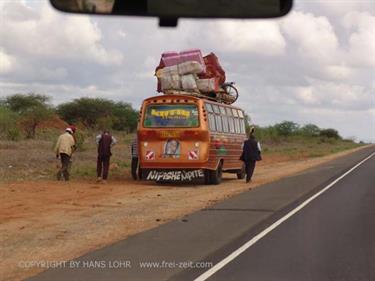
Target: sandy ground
x=57, y=221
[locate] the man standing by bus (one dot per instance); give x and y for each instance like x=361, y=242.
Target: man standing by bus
x=64, y=149
x=250, y=154
x=104, y=141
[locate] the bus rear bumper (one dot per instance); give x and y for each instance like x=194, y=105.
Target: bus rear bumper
x=175, y=175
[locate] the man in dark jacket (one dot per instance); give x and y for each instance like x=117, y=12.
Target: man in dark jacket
x=104, y=141
x=250, y=154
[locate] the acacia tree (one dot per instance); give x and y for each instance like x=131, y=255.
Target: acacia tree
x=310, y=130
x=286, y=128
x=96, y=113
x=330, y=133
x=32, y=109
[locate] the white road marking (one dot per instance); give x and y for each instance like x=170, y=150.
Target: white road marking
x=259, y=236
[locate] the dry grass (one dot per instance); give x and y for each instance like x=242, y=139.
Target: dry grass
x=35, y=159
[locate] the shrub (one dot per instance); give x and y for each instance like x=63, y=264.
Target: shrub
x=286, y=128
x=96, y=113
x=32, y=109
x=8, y=121
x=310, y=130
x=330, y=133
x=13, y=134
x=80, y=140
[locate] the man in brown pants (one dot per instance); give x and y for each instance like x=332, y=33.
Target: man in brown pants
x=104, y=142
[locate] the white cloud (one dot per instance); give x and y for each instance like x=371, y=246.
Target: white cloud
x=49, y=34
x=314, y=36
x=306, y=95
x=258, y=37
x=313, y=66
x=121, y=33
x=362, y=40
x=338, y=72
x=340, y=7
x=337, y=96
x=6, y=62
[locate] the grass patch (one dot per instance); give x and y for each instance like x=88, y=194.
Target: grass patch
x=299, y=147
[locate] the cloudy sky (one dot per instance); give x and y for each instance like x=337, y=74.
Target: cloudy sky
x=316, y=65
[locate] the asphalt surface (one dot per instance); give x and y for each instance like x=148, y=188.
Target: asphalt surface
x=332, y=238
x=329, y=240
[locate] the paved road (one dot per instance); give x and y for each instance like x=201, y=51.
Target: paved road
x=332, y=238
x=333, y=234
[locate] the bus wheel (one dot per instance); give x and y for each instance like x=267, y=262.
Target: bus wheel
x=207, y=178
x=217, y=175
x=241, y=173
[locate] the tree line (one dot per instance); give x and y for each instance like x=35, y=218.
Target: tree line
x=20, y=114
x=290, y=129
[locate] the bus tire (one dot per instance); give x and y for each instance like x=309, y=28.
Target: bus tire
x=207, y=178
x=217, y=175
x=241, y=173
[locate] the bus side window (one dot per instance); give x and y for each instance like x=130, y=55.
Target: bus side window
x=224, y=119
x=237, y=125
x=242, y=126
x=209, y=107
x=216, y=109
x=211, y=121
x=225, y=124
x=231, y=125
x=222, y=110
x=229, y=111
x=219, y=125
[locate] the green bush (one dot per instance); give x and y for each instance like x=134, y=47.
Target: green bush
x=32, y=109
x=266, y=134
x=330, y=133
x=286, y=128
x=95, y=113
x=13, y=134
x=310, y=130
x=8, y=122
x=80, y=138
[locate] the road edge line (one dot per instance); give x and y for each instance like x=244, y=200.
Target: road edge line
x=204, y=276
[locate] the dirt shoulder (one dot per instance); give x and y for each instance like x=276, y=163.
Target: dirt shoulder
x=56, y=221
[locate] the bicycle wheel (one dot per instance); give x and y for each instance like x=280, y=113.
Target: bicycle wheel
x=231, y=91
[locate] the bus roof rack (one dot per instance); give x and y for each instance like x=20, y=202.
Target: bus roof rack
x=220, y=96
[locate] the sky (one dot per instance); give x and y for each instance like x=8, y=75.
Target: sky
x=316, y=65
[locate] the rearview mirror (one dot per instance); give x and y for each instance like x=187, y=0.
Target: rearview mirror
x=170, y=10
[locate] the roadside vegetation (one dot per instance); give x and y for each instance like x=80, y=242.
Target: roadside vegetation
x=30, y=125
x=291, y=141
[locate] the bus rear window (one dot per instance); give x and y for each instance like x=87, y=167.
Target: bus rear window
x=171, y=116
